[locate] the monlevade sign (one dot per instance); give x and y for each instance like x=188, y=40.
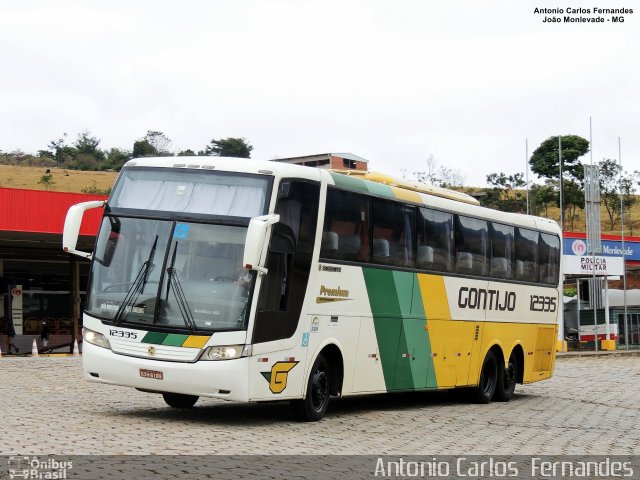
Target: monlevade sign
x=610, y=248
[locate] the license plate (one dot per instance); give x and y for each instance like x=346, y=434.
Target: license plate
x=155, y=374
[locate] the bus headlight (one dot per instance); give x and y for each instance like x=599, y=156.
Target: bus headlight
x=95, y=338
x=226, y=352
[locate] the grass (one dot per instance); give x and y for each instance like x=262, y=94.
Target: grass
x=62, y=180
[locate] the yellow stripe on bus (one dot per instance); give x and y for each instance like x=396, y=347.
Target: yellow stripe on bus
x=195, y=341
x=434, y=297
x=407, y=195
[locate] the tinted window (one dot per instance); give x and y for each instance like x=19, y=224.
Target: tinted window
x=346, y=227
x=471, y=246
x=393, y=225
x=549, y=258
x=526, y=266
x=501, y=265
x=435, y=240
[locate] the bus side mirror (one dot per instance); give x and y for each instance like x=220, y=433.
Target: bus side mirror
x=256, y=234
x=72, y=226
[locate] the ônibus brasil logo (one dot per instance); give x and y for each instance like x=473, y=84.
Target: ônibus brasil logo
x=579, y=247
x=38, y=469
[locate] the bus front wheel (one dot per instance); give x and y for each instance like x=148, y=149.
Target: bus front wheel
x=178, y=400
x=313, y=407
x=488, y=379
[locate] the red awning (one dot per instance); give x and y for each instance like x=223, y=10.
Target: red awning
x=40, y=211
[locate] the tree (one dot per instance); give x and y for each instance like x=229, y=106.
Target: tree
x=506, y=192
x=609, y=179
x=159, y=141
x=436, y=175
x=116, y=158
x=431, y=175
x=47, y=181
x=87, y=144
x=58, y=146
x=142, y=148
x=153, y=144
x=85, y=154
x=186, y=153
x=451, y=178
x=573, y=199
x=229, y=147
x=542, y=196
x=544, y=160
x=627, y=190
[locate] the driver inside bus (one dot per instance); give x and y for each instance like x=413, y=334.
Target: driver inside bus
x=243, y=277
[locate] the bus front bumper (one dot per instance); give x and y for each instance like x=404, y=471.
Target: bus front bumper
x=225, y=379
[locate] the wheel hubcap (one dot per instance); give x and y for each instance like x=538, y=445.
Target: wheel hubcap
x=320, y=389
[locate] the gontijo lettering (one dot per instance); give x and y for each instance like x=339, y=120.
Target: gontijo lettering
x=482, y=299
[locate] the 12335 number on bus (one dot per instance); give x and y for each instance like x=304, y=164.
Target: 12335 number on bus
x=542, y=303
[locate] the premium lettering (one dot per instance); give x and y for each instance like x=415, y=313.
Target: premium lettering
x=333, y=292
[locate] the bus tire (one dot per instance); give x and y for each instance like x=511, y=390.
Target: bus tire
x=507, y=378
x=488, y=379
x=179, y=400
x=313, y=407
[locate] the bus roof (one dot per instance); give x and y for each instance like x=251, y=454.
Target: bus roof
x=409, y=185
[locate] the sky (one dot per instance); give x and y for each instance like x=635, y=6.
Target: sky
x=395, y=82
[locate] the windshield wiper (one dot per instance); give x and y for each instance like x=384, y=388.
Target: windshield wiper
x=181, y=299
x=137, y=287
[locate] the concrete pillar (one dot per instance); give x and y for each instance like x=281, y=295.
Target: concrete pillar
x=75, y=297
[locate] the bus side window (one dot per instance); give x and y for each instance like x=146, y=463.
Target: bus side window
x=501, y=250
x=435, y=240
x=549, y=258
x=346, y=227
x=393, y=226
x=526, y=255
x=471, y=246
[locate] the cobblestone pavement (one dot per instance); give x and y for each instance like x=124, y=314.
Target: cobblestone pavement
x=590, y=406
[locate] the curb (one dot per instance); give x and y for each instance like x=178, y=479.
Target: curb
x=615, y=353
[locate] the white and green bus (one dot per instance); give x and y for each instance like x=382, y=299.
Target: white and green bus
x=255, y=281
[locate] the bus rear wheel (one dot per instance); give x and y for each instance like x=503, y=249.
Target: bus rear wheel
x=488, y=379
x=507, y=378
x=313, y=407
x=179, y=400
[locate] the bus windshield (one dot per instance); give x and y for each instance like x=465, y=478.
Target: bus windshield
x=183, y=275
x=194, y=192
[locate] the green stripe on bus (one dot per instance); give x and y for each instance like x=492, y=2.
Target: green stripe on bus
x=382, y=291
x=365, y=186
x=349, y=182
x=154, y=338
x=174, y=340
x=403, y=282
x=399, y=321
x=380, y=189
